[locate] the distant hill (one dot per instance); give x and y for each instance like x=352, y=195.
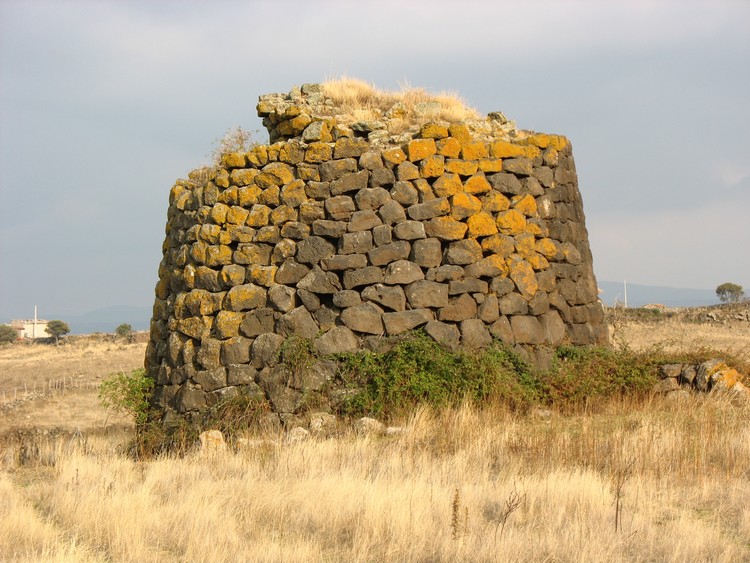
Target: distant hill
x=639, y=295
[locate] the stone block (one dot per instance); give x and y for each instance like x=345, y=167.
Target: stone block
x=418, y=149
x=347, y=147
x=445, y=228
x=338, y=340
x=258, y=322
x=235, y=351
x=346, y=298
x=474, y=334
x=462, y=252
x=371, y=160
x=513, y=304
x=318, y=281
x=355, y=243
x=447, y=185
x=265, y=350
x=326, y=228
x=396, y=323
x=297, y=322
x=404, y=193
x=290, y=272
x=364, y=221
x=350, y=182
x=444, y=333
x=430, y=209
x=363, y=276
x=481, y=225
x=424, y=293
x=314, y=249
x=461, y=166
x=371, y=198
x=505, y=183
x=392, y=212
x=468, y=285
x=340, y=207
x=491, y=266
x=501, y=329
x=382, y=234
x=282, y=298
x=409, y=230
x=336, y=169
x=245, y=297
x=407, y=171
x=382, y=255
x=381, y=177
x=527, y=330
x=344, y=262
x=464, y=205
x=426, y=253
x=458, y=309
x=402, y=272
x=392, y=297
x=365, y=317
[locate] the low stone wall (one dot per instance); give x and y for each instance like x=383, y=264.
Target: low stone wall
x=342, y=235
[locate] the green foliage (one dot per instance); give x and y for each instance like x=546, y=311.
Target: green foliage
x=236, y=414
x=124, y=330
x=730, y=293
x=419, y=370
x=7, y=334
x=57, y=329
x=128, y=393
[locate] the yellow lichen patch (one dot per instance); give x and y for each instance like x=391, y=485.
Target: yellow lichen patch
x=477, y=184
x=462, y=167
x=258, y=156
x=258, y=216
x=237, y=215
x=491, y=165
x=432, y=166
x=293, y=193
x=234, y=160
x=535, y=229
x=464, y=205
x=227, y=323
x=270, y=196
x=417, y=149
x=461, y=133
x=502, y=245
x=523, y=276
x=176, y=192
x=505, y=149
x=495, y=201
x=480, y=225
x=210, y=233
x=262, y=275
x=394, y=155
x=188, y=276
x=546, y=247
x=248, y=195
x=445, y=228
x=525, y=244
x=222, y=179
x=447, y=185
x=282, y=214
x=218, y=255
x=537, y=261
x=242, y=176
x=474, y=151
x=300, y=122
x=219, y=213
x=511, y=222
x=449, y=147
x=433, y=131
x=525, y=203
x=198, y=252
x=543, y=141
x=318, y=152
x=229, y=196
x=195, y=327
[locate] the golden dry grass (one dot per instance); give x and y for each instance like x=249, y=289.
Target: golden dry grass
x=363, y=101
x=678, y=469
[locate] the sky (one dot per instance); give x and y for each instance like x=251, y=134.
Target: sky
x=104, y=104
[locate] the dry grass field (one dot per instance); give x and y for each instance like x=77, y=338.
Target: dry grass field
x=658, y=480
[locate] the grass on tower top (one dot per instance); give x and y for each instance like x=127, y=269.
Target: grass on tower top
x=363, y=101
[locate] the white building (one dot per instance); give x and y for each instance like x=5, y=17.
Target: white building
x=30, y=328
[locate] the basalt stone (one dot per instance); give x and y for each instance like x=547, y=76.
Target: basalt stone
x=241, y=374
x=382, y=177
x=423, y=293
x=382, y=255
x=402, y=272
x=396, y=323
x=340, y=207
x=338, y=340
x=372, y=198
x=327, y=228
x=445, y=273
x=474, y=334
x=347, y=298
x=468, y=285
x=458, y=309
x=265, y=350
x=364, y=276
x=313, y=249
x=409, y=230
x=392, y=297
x=350, y=182
x=382, y=234
x=501, y=329
x=282, y=297
x=392, y=213
x=513, y=304
x=445, y=333
x=405, y=193
x=463, y=252
x=527, y=330
x=258, y=322
x=290, y=272
x=426, y=253
x=335, y=169
x=298, y=322
x=355, y=243
x=309, y=299
x=365, y=317
x=318, y=281
x=344, y=262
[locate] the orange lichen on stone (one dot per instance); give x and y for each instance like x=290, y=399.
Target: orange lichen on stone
x=449, y=147
x=447, y=185
x=525, y=203
x=480, y=225
x=417, y=149
x=537, y=261
x=222, y=179
x=474, y=151
x=445, y=228
x=394, y=155
x=502, y=245
x=237, y=215
x=547, y=247
x=525, y=244
x=461, y=133
x=242, y=176
x=432, y=166
x=248, y=195
x=464, y=205
x=543, y=141
x=495, y=201
x=318, y=152
x=433, y=131
x=506, y=149
x=234, y=160
x=262, y=275
x=258, y=156
x=491, y=165
x=522, y=274
x=511, y=222
x=477, y=184
x=462, y=167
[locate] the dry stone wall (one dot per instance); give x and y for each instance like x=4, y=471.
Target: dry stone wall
x=344, y=233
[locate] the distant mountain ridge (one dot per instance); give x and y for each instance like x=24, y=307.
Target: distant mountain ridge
x=640, y=295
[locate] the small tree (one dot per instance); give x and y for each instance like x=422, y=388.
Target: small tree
x=57, y=329
x=127, y=393
x=124, y=331
x=7, y=334
x=730, y=293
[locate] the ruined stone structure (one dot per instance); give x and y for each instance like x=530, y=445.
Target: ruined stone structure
x=346, y=231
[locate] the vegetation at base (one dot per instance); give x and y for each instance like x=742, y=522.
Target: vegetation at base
x=7, y=334
x=128, y=393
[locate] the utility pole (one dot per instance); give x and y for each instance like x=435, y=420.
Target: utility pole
x=33, y=330
x=625, y=283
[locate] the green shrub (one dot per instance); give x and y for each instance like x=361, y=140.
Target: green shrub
x=128, y=393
